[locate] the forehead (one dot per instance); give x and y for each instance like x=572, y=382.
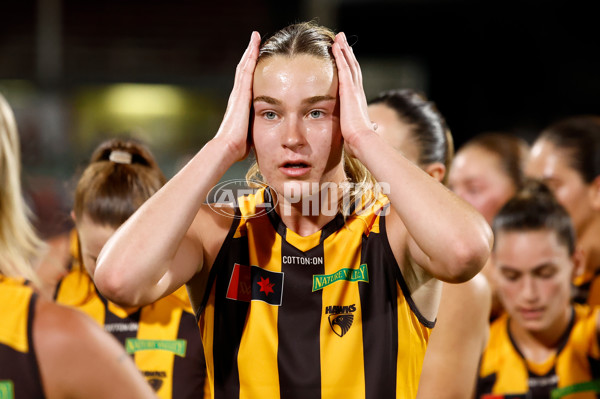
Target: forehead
x=93, y=235
x=475, y=162
x=301, y=76
x=545, y=157
x=525, y=250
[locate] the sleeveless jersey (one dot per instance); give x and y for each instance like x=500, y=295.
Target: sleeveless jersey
x=162, y=337
x=323, y=316
x=568, y=373
x=587, y=288
x=19, y=372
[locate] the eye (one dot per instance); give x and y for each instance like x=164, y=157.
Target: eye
x=269, y=115
x=546, y=272
x=511, y=275
x=315, y=114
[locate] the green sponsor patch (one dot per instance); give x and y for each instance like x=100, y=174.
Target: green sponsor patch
x=7, y=390
x=588, y=386
x=321, y=281
x=177, y=346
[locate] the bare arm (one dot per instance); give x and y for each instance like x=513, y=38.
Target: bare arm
x=457, y=341
x=77, y=359
x=163, y=244
x=448, y=238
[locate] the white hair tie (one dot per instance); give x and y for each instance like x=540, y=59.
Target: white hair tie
x=119, y=156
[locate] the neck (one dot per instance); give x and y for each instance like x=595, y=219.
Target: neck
x=311, y=213
x=537, y=345
x=587, y=242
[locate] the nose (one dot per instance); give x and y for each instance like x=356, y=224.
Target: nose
x=293, y=136
x=529, y=290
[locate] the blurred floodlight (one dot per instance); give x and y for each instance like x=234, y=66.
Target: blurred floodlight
x=144, y=100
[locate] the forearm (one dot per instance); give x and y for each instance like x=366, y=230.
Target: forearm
x=453, y=237
x=457, y=341
x=144, y=258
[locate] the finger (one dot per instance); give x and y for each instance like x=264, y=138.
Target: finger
x=349, y=57
x=248, y=60
x=353, y=61
x=344, y=73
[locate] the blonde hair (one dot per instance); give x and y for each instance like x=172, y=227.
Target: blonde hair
x=19, y=243
x=312, y=39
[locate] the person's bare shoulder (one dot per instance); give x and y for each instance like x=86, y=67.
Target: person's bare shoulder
x=474, y=292
x=78, y=359
x=212, y=224
x=470, y=303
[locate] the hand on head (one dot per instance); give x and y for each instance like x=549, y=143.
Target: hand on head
x=354, y=116
x=234, y=129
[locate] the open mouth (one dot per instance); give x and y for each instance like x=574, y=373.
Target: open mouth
x=295, y=169
x=295, y=165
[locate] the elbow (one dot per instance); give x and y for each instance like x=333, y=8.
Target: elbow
x=112, y=284
x=470, y=256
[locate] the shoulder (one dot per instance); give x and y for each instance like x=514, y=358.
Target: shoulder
x=587, y=325
x=475, y=292
x=57, y=327
x=78, y=359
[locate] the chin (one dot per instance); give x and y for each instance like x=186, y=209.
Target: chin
x=535, y=326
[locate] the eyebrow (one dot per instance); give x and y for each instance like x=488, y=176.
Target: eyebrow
x=266, y=99
x=317, y=99
x=310, y=100
x=534, y=270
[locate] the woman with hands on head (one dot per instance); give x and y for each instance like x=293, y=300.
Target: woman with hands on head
x=47, y=350
x=300, y=301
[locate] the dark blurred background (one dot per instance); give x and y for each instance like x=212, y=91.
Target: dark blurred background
x=78, y=71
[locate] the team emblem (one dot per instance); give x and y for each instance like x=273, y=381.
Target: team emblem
x=155, y=379
x=340, y=324
x=340, y=318
x=155, y=383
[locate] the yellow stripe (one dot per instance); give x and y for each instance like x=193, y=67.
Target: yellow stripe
x=336, y=351
x=259, y=377
x=412, y=341
x=13, y=328
x=77, y=290
x=206, y=325
x=159, y=321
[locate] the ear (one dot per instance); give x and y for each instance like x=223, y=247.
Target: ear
x=73, y=216
x=595, y=192
x=437, y=170
x=578, y=263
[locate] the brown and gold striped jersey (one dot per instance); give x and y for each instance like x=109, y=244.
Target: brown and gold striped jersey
x=323, y=316
x=19, y=371
x=162, y=337
x=504, y=371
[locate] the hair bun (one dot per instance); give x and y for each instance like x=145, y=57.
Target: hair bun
x=120, y=156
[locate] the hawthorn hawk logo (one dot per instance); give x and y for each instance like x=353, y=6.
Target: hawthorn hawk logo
x=340, y=318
